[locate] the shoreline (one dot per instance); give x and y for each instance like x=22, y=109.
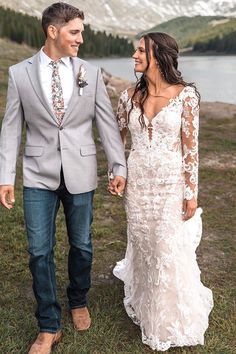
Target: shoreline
x=214, y=109
x=211, y=53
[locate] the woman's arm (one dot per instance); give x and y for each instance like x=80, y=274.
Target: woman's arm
x=122, y=115
x=190, y=128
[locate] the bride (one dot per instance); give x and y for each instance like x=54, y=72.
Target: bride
x=163, y=291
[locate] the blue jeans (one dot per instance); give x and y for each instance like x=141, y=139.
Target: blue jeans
x=40, y=209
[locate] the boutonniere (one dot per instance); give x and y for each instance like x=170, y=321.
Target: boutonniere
x=81, y=79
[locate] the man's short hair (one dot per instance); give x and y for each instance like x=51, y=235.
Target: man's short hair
x=59, y=14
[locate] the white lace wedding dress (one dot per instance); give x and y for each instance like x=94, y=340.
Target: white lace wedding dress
x=163, y=291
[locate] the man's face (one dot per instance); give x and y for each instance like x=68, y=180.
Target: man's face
x=68, y=38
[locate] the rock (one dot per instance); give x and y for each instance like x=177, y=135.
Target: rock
x=114, y=85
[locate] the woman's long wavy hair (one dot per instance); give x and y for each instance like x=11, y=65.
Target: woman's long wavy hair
x=165, y=51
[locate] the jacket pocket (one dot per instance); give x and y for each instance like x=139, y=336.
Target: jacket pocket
x=87, y=150
x=34, y=150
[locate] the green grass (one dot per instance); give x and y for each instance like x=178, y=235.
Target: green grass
x=112, y=332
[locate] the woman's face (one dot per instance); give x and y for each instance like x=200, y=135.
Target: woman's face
x=140, y=58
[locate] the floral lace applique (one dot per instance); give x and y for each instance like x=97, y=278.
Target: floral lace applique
x=174, y=128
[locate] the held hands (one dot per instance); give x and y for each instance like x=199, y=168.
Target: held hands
x=7, y=198
x=189, y=208
x=116, y=186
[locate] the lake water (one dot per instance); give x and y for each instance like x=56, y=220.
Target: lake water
x=215, y=76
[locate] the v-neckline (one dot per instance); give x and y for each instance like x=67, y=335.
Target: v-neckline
x=164, y=107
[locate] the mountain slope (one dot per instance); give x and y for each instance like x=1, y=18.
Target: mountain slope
x=133, y=16
x=225, y=44
x=187, y=31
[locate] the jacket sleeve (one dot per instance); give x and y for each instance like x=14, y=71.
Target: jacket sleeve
x=108, y=130
x=11, y=133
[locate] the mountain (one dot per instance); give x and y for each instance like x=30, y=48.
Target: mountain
x=130, y=17
x=189, y=31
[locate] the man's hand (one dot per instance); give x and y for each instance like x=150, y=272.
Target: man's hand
x=189, y=208
x=7, y=198
x=116, y=186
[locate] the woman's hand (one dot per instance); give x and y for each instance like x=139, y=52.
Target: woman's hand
x=116, y=186
x=189, y=208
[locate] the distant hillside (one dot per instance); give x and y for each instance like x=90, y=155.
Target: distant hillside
x=219, y=44
x=191, y=30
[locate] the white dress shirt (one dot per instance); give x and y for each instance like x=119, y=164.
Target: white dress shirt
x=66, y=75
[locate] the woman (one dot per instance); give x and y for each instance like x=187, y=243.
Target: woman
x=163, y=291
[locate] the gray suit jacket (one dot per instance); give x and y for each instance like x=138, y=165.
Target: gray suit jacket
x=49, y=147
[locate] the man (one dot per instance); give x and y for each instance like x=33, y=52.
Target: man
x=57, y=96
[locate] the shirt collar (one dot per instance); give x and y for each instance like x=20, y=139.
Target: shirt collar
x=45, y=60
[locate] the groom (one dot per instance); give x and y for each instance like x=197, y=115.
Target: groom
x=57, y=96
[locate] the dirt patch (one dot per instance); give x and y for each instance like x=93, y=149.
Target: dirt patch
x=218, y=110
x=219, y=161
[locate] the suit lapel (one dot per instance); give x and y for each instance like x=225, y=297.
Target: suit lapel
x=34, y=77
x=74, y=100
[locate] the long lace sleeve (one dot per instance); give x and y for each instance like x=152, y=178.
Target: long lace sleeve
x=190, y=127
x=122, y=120
x=122, y=114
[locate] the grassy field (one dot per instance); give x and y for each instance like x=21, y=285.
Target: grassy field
x=112, y=332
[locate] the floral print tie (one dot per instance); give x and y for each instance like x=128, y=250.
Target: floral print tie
x=57, y=93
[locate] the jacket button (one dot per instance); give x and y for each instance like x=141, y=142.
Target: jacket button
x=58, y=149
x=61, y=128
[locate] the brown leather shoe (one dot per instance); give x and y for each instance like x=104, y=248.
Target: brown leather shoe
x=45, y=342
x=81, y=318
